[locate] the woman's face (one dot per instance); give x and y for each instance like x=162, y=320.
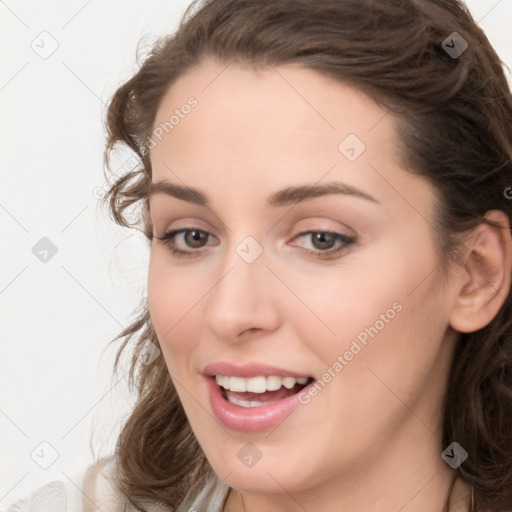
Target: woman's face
x=309, y=254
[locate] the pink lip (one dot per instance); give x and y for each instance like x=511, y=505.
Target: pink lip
x=248, y=370
x=254, y=419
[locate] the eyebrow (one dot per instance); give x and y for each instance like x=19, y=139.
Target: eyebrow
x=285, y=197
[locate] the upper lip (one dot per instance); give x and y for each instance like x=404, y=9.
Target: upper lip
x=248, y=370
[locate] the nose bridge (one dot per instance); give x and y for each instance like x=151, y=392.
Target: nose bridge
x=244, y=265
x=242, y=298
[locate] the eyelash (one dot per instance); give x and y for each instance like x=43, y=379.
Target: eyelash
x=347, y=241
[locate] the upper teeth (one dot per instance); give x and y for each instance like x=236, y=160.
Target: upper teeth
x=258, y=384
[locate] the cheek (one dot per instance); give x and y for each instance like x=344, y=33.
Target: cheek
x=174, y=298
x=384, y=305
x=346, y=297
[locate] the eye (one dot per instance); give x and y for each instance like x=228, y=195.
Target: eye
x=326, y=244
x=192, y=238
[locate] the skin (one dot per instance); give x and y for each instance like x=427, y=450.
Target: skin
x=370, y=440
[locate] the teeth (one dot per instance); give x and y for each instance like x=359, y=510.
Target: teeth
x=289, y=382
x=274, y=383
x=258, y=384
x=244, y=403
x=237, y=384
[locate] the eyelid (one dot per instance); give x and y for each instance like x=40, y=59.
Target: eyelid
x=347, y=241
x=166, y=224
x=321, y=224
x=326, y=232
x=171, y=234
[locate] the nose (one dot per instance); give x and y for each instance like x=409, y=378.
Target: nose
x=243, y=300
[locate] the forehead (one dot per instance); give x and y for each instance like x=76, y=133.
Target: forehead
x=278, y=126
x=285, y=109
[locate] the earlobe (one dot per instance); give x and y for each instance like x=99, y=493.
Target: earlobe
x=485, y=281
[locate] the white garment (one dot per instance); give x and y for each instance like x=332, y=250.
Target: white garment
x=96, y=492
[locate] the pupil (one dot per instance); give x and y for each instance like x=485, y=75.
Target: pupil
x=195, y=238
x=323, y=240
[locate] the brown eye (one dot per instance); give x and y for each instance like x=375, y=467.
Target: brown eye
x=195, y=238
x=323, y=241
x=186, y=242
x=325, y=244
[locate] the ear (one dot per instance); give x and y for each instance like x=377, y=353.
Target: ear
x=484, y=283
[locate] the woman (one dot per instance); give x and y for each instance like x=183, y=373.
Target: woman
x=325, y=188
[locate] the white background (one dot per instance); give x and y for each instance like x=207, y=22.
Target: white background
x=57, y=318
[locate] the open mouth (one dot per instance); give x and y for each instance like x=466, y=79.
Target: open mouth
x=258, y=391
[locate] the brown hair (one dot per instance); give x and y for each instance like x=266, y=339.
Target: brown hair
x=454, y=117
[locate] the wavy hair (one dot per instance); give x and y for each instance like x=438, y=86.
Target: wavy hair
x=454, y=119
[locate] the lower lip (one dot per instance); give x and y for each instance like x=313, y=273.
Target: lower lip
x=250, y=419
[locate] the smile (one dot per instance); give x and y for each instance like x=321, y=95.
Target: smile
x=253, y=397
x=260, y=390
